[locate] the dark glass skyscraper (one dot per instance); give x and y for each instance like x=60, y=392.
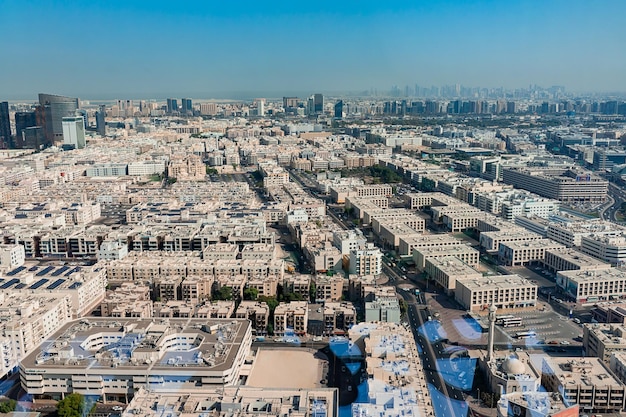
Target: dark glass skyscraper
x=187, y=106
x=6, y=141
x=172, y=105
x=23, y=120
x=100, y=120
x=318, y=103
x=55, y=109
x=339, y=109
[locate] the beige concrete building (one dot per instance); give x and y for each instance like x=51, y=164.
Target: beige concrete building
x=257, y=312
x=328, y=288
x=447, y=270
x=602, y=340
x=490, y=241
x=587, y=382
x=527, y=252
x=465, y=253
x=593, y=285
x=245, y=401
x=408, y=243
x=293, y=315
x=571, y=259
x=128, y=300
x=338, y=317
x=506, y=292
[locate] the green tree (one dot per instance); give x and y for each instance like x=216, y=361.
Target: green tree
x=403, y=307
x=312, y=292
x=250, y=294
x=271, y=302
x=270, y=329
x=210, y=170
x=224, y=293
x=7, y=406
x=73, y=405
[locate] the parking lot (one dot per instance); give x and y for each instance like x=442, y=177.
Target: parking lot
x=549, y=327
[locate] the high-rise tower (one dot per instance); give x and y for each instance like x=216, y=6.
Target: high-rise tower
x=6, y=141
x=55, y=108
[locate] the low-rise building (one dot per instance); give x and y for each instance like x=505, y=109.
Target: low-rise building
x=587, y=382
x=292, y=316
x=506, y=292
x=257, y=312
x=464, y=252
x=123, y=355
x=602, y=340
x=447, y=270
x=571, y=259
x=609, y=248
x=527, y=252
x=593, y=285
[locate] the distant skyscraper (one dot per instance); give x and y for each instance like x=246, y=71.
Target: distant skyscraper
x=83, y=113
x=23, y=120
x=318, y=103
x=339, y=110
x=172, y=105
x=6, y=141
x=100, y=120
x=290, y=103
x=187, y=106
x=34, y=138
x=73, y=132
x=55, y=108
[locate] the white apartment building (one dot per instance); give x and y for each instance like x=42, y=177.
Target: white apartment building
x=145, y=168
x=111, y=250
x=183, y=355
x=348, y=240
x=11, y=256
x=609, y=248
x=28, y=320
x=366, y=260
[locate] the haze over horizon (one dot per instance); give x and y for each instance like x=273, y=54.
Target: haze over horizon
x=143, y=49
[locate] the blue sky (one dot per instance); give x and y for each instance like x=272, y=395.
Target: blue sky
x=215, y=48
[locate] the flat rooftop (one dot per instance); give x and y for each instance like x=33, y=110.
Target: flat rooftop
x=142, y=345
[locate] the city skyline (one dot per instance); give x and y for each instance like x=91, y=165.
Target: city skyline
x=230, y=51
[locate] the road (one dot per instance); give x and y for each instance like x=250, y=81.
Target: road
x=452, y=400
x=617, y=196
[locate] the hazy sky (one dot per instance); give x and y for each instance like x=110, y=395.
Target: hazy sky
x=138, y=48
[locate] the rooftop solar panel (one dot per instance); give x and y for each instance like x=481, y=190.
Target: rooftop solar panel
x=33, y=268
x=44, y=271
x=20, y=286
x=9, y=283
x=38, y=284
x=59, y=271
x=55, y=284
x=75, y=269
x=16, y=271
x=75, y=285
